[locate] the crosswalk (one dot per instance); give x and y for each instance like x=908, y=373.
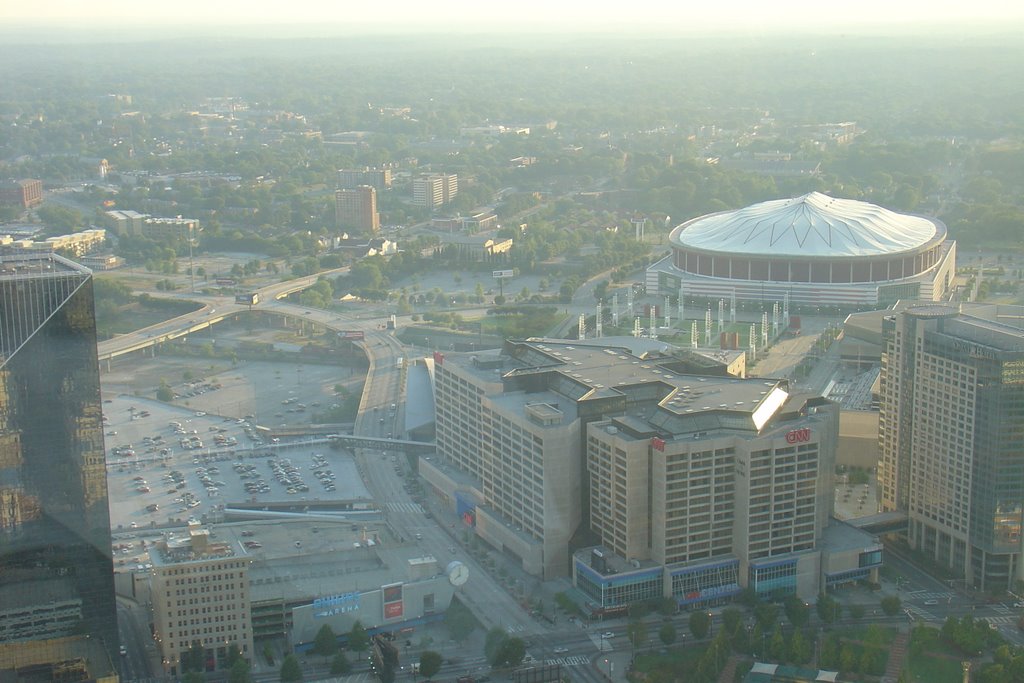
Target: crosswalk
x=920, y=613
x=931, y=595
x=573, y=660
x=405, y=507
x=1001, y=621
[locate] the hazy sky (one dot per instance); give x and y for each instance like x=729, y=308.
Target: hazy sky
x=483, y=14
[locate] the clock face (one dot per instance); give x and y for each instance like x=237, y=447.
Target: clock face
x=458, y=573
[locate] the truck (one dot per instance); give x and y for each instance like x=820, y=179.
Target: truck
x=249, y=299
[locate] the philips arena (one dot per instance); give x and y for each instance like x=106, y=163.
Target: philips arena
x=817, y=250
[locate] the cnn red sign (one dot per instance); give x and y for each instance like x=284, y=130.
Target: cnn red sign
x=799, y=435
x=658, y=444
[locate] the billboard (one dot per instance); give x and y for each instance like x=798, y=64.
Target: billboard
x=353, y=335
x=501, y=274
x=391, y=596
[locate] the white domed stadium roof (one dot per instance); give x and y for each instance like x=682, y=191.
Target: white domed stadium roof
x=812, y=225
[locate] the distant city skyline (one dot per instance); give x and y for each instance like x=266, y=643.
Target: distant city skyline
x=404, y=14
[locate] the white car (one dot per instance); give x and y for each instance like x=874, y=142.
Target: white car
x=561, y=650
x=1018, y=604
x=609, y=634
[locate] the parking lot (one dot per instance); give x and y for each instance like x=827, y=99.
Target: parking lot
x=167, y=463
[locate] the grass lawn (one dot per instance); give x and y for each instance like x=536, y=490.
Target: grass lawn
x=677, y=661
x=862, y=633
x=927, y=668
x=927, y=662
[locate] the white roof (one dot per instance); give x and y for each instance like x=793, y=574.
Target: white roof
x=811, y=225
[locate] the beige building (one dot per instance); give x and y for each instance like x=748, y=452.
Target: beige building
x=858, y=439
x=76, y=244
x=714, y=485
x=378, y=178
x=434, y=190
x=708, y=481
x=200, y=592
x=175, y=227
x=356, y=209
x=125, y=222
x=478, y=247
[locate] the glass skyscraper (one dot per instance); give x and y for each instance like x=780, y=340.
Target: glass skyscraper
x=951, y=435
x=56, y=574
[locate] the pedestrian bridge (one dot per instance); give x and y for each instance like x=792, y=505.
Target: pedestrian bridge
x=380, y=444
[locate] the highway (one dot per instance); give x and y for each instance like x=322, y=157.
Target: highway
x=384, y=385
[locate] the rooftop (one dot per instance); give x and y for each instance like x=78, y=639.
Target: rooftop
x=193, y=546
x=540, y=374
x=813, y=224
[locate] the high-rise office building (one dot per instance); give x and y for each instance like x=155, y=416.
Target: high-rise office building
x=23, y=193
x=683, y=486
x=378, y=178
x=56, y=574
x=951, y=435
x=356, y=209
x=434, y=190
x=200, y=595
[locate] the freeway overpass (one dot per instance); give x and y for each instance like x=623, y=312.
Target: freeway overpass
x=215, y=309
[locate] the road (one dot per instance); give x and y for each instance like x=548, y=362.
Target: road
x=380, y=472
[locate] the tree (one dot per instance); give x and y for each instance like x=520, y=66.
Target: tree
x=240, y=672
x=636, y=631
x=993, y=673
x=700, y=624
x=747, y=597
x=493, y=643
x=847, y=659
x=340, y=665
x=757, y=644
x=766, y=614
x=193, y=659
x=639, y=610
x=797, y=611
x=460, y=621
x=512, y=652
x=358, y=638
x=828, y=608
x=325, y=643
x=430, y=663
x=799, y=649
x=164, y=392
x=667, y=633
x=777, y=645
x=731, y=618
x=856, y=611
x=234, y=654
x=891, y=605
x=290, y=670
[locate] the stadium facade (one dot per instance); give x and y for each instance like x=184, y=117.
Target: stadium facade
x=815, y=249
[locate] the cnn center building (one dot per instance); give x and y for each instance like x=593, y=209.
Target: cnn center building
x=814, y=249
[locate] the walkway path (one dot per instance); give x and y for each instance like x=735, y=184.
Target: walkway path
x=897, y=658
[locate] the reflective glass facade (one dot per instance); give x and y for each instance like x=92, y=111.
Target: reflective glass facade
x=56, y=574
x=951, y=436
